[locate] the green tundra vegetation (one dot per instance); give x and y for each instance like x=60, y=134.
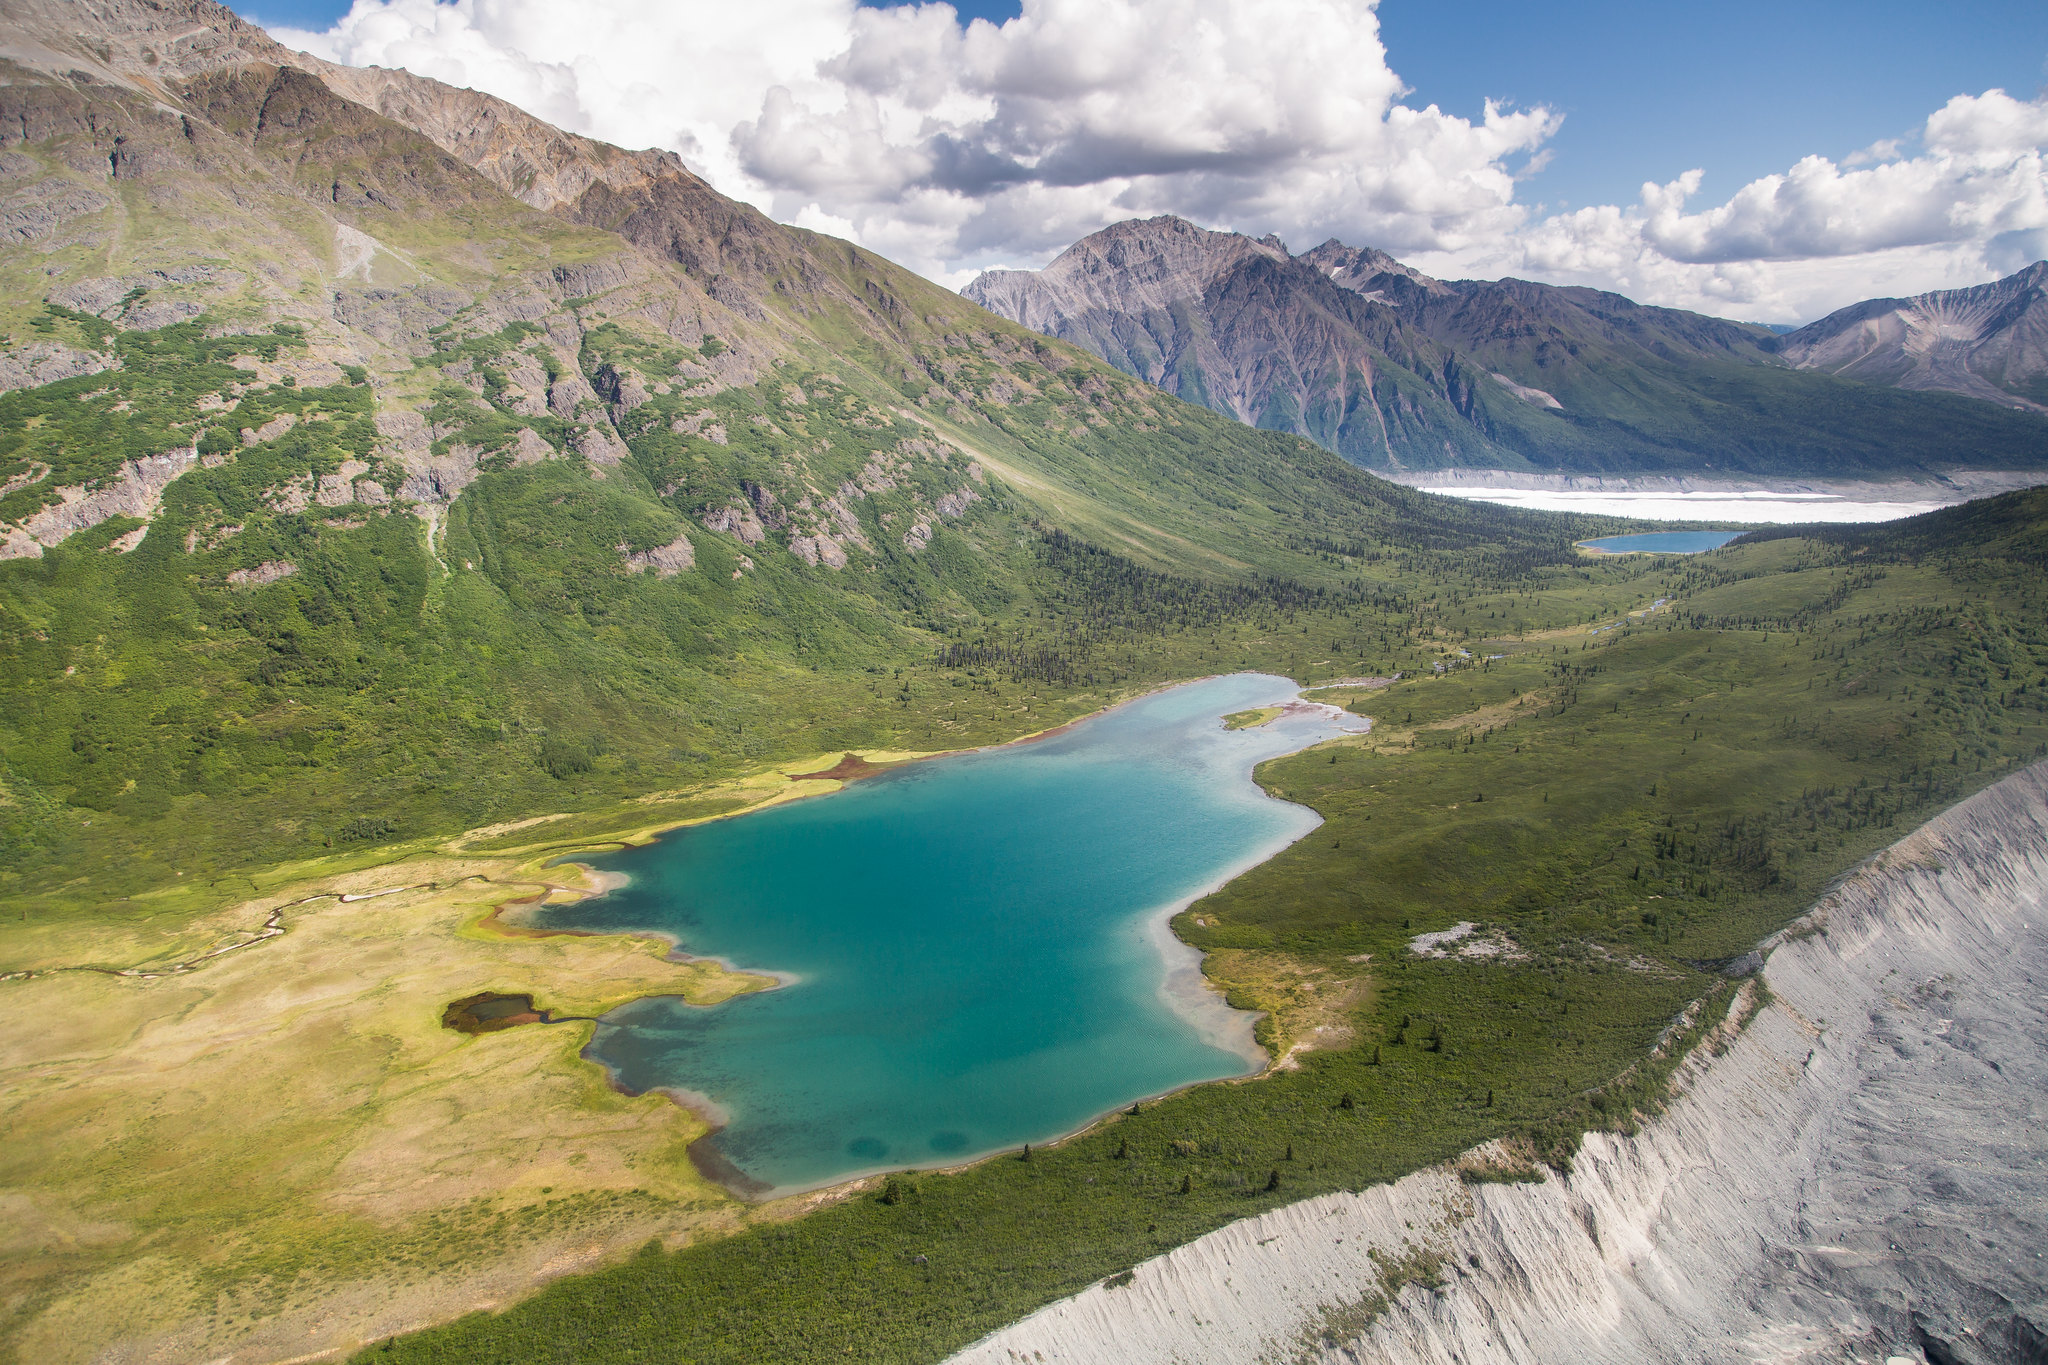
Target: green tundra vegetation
x=1620, y=812
x=357, y=511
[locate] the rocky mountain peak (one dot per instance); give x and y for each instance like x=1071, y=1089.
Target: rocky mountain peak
x=1988, y=342
x=1137, y=264
x=154, y=45
x=138, y=44
x=161, y=47
x=1371, y=272
x=1385, y=365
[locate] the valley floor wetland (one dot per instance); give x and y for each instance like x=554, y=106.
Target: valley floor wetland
x=354, y=1102
x=1853, y=1168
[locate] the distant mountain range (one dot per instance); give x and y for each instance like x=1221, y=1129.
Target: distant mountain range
x=1990, y=342
x=1399, y=371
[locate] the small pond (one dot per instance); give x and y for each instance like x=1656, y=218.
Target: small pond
x=1662, y=542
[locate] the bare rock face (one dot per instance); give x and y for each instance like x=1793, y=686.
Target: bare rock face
x=136, y=492
x=1528, y=395
x=271, y=430
x=739, y=522
x=1132, y=268
x=339, y=488
x=38, y=211
x=704, y=424
x=818, y=549
x=46, y=362
x=526, y=385
x=666, y=560
x=621, y=390
x=530, y=448
x=1990, y=342
x=598, y=445
x=1856, y=1169
x=134, y=300
x=400, y=318
x=1368, y=271
x=267, y=572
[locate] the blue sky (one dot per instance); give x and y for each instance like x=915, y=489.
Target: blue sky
x=1740, y=88
x=1702, y=156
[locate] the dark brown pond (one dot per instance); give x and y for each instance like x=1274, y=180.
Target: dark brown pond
x=491, y=1011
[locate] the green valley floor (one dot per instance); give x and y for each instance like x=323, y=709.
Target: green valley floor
x=278, y=1150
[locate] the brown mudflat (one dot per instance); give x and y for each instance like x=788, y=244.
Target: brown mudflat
x=845, y=770
x=715, y=1166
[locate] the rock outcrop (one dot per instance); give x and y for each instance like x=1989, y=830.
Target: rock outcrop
x=135, y=491
x=46, y=362
x=1855, y=1168
x=666, y=560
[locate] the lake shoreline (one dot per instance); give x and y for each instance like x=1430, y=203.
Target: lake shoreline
x=1183, y=988
x=1656, y=543
x=1723, y=1247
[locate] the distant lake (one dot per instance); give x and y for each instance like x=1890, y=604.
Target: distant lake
x=1662, y=542
x=976, y=944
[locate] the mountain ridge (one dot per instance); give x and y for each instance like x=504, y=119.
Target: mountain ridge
x=1989, y=341
x=250, y=326
x=1509, y=374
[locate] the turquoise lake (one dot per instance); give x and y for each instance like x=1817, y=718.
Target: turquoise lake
x=1664, y=542
x=974, y=948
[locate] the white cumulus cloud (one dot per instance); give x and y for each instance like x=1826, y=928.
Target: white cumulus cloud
x=1971, y=203
x=951, y=147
